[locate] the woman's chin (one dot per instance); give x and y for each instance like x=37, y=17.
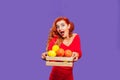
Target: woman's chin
x=64, y=37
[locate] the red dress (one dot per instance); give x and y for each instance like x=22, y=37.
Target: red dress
x=65, y=73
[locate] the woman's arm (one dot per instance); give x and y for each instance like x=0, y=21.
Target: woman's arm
x=51, y=43
x=77, y=49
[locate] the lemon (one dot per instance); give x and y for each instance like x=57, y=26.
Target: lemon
x=55, y=48
x=51, y=53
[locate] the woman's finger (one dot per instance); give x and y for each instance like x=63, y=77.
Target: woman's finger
x=76, y=58
x=44, y=55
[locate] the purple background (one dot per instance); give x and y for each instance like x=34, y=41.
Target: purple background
x=24, y=27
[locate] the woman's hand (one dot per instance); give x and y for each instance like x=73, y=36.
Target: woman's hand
x=75, y=56
x=43, y=56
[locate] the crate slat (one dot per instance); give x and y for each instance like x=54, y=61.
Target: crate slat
x=60, y=58
x=69, y=64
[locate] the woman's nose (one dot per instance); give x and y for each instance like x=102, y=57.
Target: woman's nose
x=60, y=28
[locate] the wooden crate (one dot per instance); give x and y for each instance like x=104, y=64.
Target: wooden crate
x=59, y=61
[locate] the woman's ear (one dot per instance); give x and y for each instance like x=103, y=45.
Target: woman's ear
x=68, y=26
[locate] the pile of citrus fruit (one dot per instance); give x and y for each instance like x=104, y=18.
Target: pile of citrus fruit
x=59, y=52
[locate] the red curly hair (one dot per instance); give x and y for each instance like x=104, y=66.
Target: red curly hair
x=53, y=31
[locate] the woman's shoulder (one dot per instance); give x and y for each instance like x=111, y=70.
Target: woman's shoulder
x=53, y=39
x=75, y=35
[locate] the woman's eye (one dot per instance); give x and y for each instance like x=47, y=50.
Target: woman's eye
x=57, y=26
x=62, y=25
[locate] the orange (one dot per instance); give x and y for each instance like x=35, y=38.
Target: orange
x=68, y=53
x=60, y=52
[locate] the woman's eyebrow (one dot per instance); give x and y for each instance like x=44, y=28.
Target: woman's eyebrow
x=62, y=23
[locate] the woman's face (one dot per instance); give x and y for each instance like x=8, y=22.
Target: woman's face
x=63, y=28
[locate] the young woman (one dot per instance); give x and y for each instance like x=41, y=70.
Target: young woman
x=62, y=34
